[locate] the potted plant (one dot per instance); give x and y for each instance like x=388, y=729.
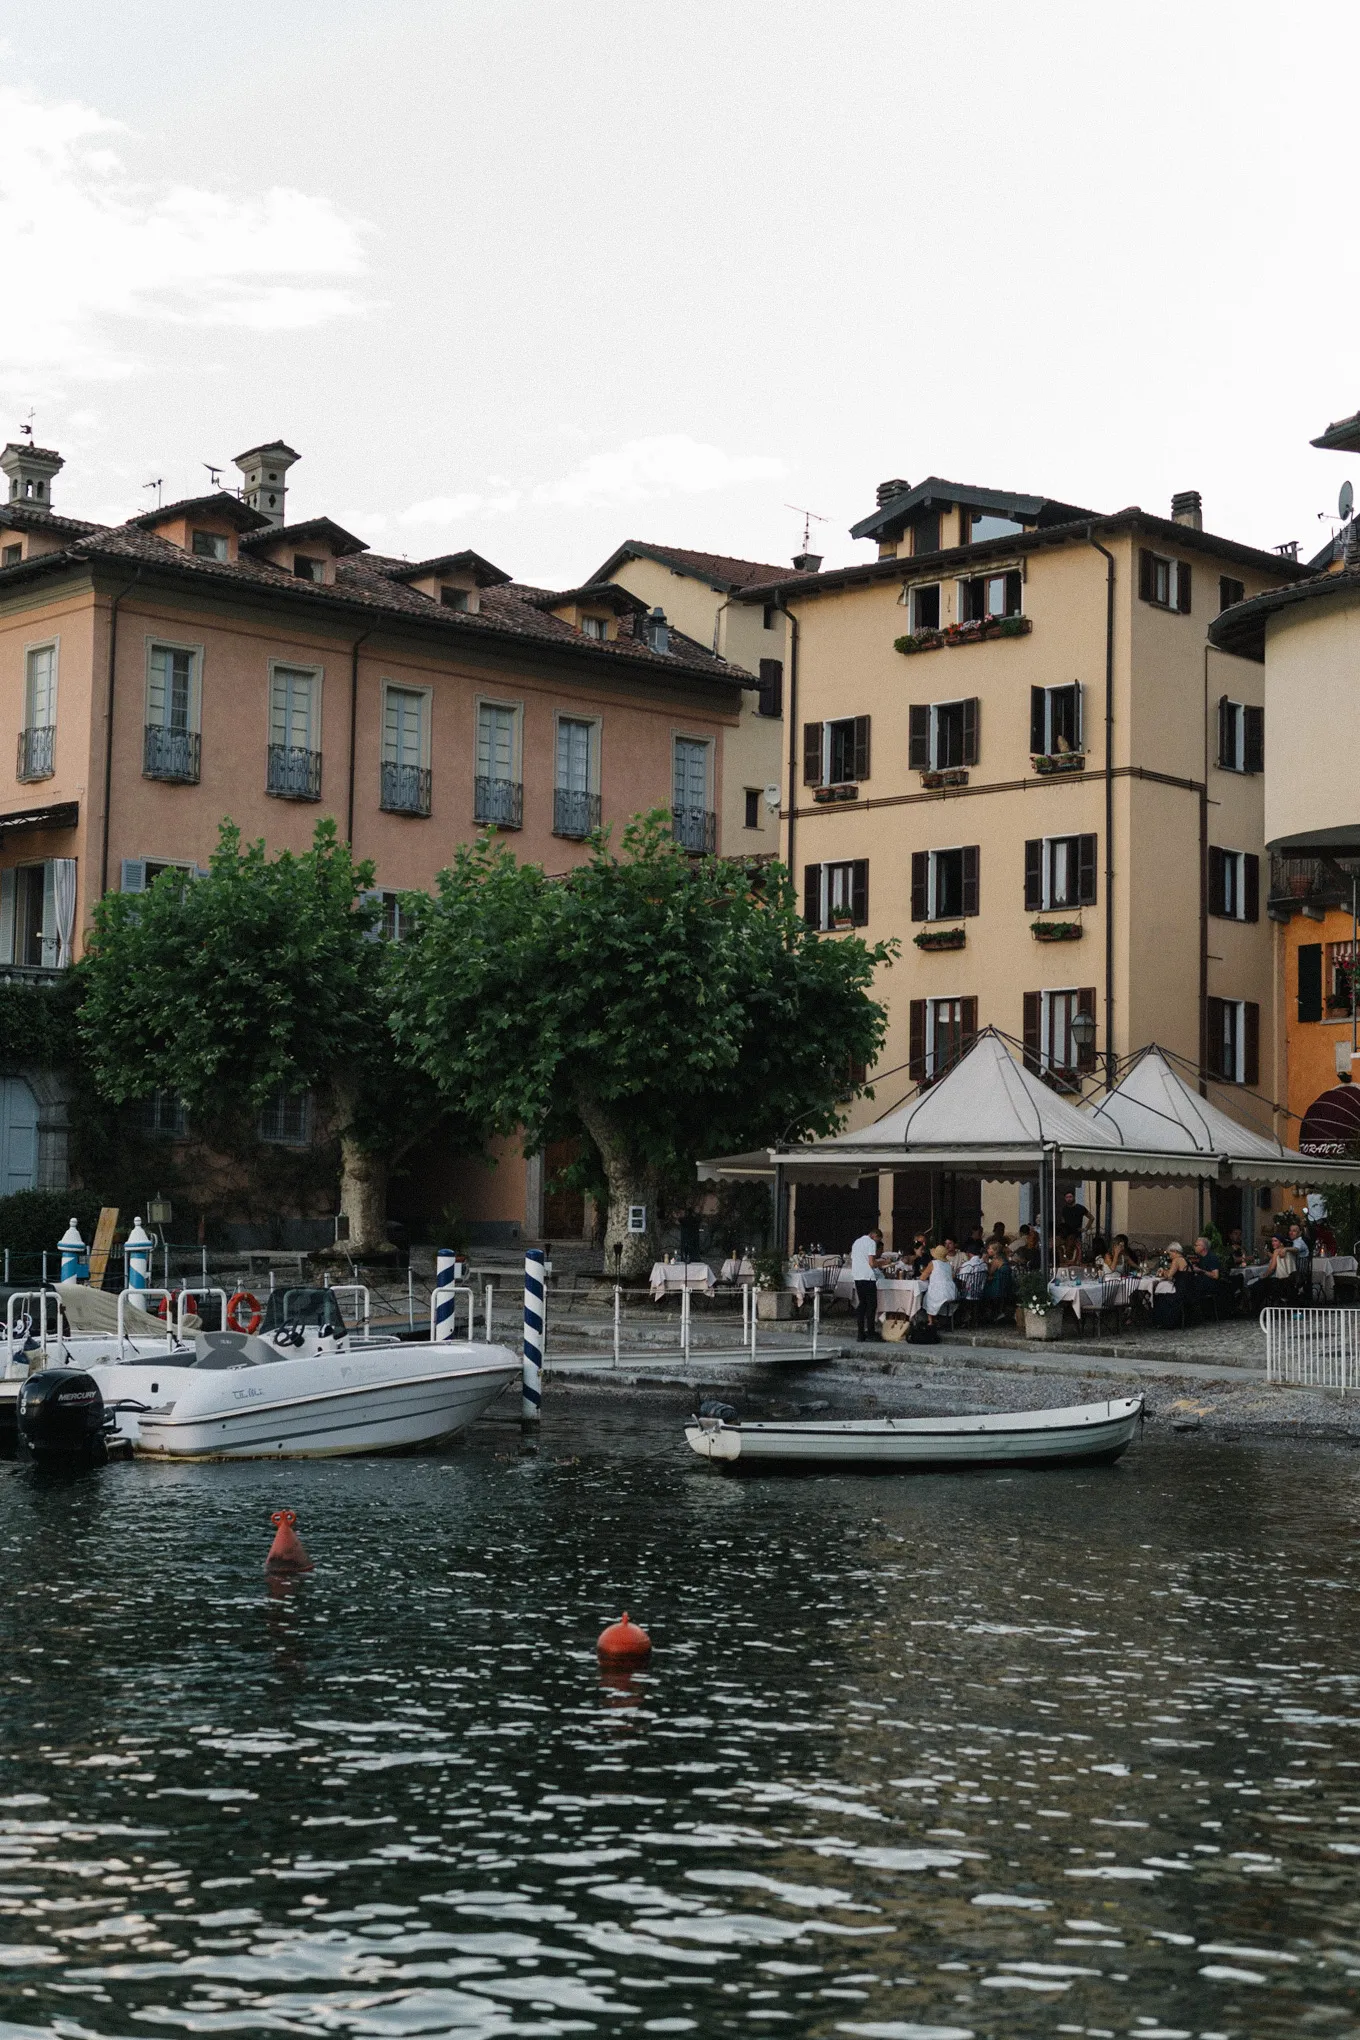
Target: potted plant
x=1056, y=931
x=772, y=1299
x=941, y=938
x=918, y=641
x=1043, y=1317
x=1049, y=762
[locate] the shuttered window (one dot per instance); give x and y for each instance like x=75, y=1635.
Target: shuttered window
x=1055, y=720
x=836, y=893
x=1232, y=1048
x=1060, y=871
x=1234, y=884
x=294, y=704
x=1241, y=736
x=991, y=595
x=1310, y=981
x=771, y=688
x=836, y=753
x=940, y=1033
x=1050, y=1047
x=944, y=883
x=943, y=735
x=403, y=739
x=1166, y=583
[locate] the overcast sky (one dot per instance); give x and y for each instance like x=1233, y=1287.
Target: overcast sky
x=539, y=277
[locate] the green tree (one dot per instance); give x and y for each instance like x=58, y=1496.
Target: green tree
x=265, y=974
x=669, y=1006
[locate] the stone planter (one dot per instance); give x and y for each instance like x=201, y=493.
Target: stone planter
x=1043, y=1324
x=774, y=1304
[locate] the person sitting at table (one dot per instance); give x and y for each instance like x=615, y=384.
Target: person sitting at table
x=1115, y=1260
x=1298, y=1240
x=1098, y=1249
x=952, y=1254
x=1001, y=1286
x=1025, y=1252
x=999, y=1234
x=864, y=1259
x=941, y=1288
x=1069, y=1250
x=1174, y=1262
x=1237, y=1253
x=1205, y=1270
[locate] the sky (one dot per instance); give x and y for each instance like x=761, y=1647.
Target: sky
x=536, y=276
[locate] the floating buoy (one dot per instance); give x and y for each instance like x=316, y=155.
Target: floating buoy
x=624, y=1643
x=286, y=1553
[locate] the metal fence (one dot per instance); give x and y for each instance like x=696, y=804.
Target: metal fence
x=293, y=774
x=405, y=789
x=35, y=752
x=498, y=800
x=170, y=754
x=1312, y=1348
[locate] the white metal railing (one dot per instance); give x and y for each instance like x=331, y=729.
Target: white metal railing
x=1312, y=1348
x=455, y=1290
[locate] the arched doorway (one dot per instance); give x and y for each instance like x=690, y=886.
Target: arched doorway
x=18, y=1136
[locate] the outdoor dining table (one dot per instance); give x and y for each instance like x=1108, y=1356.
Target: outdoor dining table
x=1325, y=1270
x=675, y=1275
x=734, y=1270
x=802, y=1281
x=902, y=1298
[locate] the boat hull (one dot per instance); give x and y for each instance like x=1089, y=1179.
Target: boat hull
x=1086, y=1434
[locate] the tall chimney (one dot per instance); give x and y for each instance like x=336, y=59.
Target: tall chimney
x=264, y=478
x=887, y=491
x=1187, y=507
x=30, y=469
x=807, y=563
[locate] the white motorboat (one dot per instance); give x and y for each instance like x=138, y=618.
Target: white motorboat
x=1085, y=1433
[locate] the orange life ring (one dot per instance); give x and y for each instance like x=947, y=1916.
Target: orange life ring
x=243, y=1296
x=189, y=1304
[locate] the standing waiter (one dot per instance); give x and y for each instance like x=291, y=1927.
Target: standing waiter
x=864, y=1258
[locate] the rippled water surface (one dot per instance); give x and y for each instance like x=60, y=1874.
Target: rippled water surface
x=918, y=1757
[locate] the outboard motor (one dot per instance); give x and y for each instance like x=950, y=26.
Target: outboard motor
x=61, y=1419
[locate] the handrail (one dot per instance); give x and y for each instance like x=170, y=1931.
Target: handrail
x=171, y=1340
x=357, y=1289
x=24, y=1296
x=458, y=1289
x=198, y=1296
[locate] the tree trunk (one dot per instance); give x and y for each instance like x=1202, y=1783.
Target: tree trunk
x=631, y=1183
x=363, y=1198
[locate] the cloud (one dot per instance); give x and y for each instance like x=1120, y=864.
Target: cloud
x=442, y=511
x=641, y=469
x=100, y=253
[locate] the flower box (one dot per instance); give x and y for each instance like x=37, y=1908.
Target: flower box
x=919, y=641
x=823, y=795
x=975, y=633
x=941, y=938
x=841, y=924
x=1059, y=761
x=955, y=775
x=1055, y=931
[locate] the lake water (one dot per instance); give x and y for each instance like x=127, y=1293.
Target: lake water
x=1060, y=1753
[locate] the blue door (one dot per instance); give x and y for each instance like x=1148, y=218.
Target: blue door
x=18, y=1136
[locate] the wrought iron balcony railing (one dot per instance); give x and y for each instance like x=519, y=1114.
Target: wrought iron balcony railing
x=575, y=814
x=35, y=752
x=405, y=789
x=695, y=828
x=294, y=774
x=499, y=802
x=170, y=754
x=1307, y=882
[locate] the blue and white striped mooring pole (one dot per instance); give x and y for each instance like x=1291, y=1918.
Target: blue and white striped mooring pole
x=72, y=1254
x=137, y=1256
x=534, y=1314
x=445, y=1302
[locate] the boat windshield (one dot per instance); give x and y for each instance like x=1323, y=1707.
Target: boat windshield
x=303, y=1307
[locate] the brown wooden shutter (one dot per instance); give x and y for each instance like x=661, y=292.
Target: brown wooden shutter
x=1013, y=592
x=1086, y=1003
x=1038, y=743
x=972, y=726
x=1032, y=1037
x=1086, y=871
x=918, y=737
x=1253, y=739
x=1183, y=587
x=920, y=884
x=1251, y=867
x=812, y=895
x=1078, y=716
x=1034, y=875
x=861, y=747
x=1310, y=980
x=967, y=1024
x=1224, y=745
x=1217, y=876
x=772, y=687
x=1251, y=1048
x=859, y=891
x=1147, y=576
x=1213, y=1047
x=970, y=879
x=812, y=754
x=916, y=1041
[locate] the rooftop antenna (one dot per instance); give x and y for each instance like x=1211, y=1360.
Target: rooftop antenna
x=157, y=485
x=214, y=474
x=809, y=517
x=27, y=427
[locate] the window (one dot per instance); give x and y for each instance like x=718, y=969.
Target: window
x=396, y=919
x=1241, y=736
x=980, y=524
x=11, y=555
x=286, y=1120
x=836, y=753
x=28, y=916
x=594, y=627
x=944, y=884
x=991, y=595
x=925, y=533
x=1055, y=720
x=768, y=615
x=753, y=800
x=1234, y=885
x=923, y=607
x=170, y=746
x=1230, y=591
x=1164, y=582
x=576, y=796
x=692, y=820
x=453, y=598
x=499, y=794
x=1340, y=976
x=208, y=545
x=405, y=751
x=1051, y=1049
x=163, y=1116
x=1060, y=871
x=771, y=700
x=942, y=735
x=940, y=1032
x=1232, y=1047
x=836, y=894
x=37, y=738
x=140, y=873
x=294, y=733
x=308, y=568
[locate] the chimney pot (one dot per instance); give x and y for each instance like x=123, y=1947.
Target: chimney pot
x=1187, y=507
x=888, y=490
x=807, y=563
x=658, y=631
x=264, y=478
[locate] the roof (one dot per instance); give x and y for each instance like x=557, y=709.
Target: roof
x=606, y=594
x=1153, y=1107
x=267, y=446
x=335, y=536
x=720, y=570
x=1242, y=629
x=29, y=517
x=221, y=503
x=1342, y=437
x=890, y=518
x=31, y=452
x=482, y=571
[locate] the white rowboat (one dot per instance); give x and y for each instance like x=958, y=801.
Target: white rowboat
x=1085, y=1433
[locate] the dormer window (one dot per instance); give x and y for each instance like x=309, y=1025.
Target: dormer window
x=453, y=598
x=984, y=524
x=594, y=626
x=307, y=567
x=208, y=545
x=11, y=555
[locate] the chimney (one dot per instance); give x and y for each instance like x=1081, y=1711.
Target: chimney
x=30, y=469
x=1187, y=507
x=887, y=490
x=657, y=630
x=264, y=478
x=807, y=563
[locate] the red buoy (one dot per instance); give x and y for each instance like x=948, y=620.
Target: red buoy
x=624, y=1643
x=286, y=1553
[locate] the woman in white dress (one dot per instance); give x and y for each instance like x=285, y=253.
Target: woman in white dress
x=941, y=1288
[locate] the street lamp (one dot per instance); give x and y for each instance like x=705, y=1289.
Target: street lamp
x=1084, y=1029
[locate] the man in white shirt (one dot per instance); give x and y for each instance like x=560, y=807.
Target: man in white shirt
x=863, y=1261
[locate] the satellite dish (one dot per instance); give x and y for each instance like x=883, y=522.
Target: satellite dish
x=1345, y=502
x=772, y=798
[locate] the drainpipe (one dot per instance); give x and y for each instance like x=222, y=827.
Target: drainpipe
x=108, y=729
x=1109, y=804
x=793, y=726
x=353, y=726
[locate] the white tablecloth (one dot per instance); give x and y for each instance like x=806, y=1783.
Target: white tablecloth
x=737, y=1271
x=802, y=1281
x=674, y=1275
x=903, y=1298
x=1326, y=1268
x=1090, y=1294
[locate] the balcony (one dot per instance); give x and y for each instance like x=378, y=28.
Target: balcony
x=170, y=754
x=499, y=803
x=293, y=774
x=695, y=829
x=1307, y=884
x=35, y=752
x=405, y=789
x=575, y=814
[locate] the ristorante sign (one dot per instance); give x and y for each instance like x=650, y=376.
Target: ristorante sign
x=1331, y=1125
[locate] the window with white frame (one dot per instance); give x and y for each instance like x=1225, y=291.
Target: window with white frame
x=294, y=708
x=836, y=753
x=28, y=916
x=170, y=745
x=1233, y=1040
x=285, y=1120
x=40, y=687
x=576, y=796
x=1234, y=884
x=1055, y=720
x=942, y=735
x=406, y=750
x=923, y=607
x=1163, y=582
x=1060, y=871
x=1052, y=1048
x=944, y=883
x=1058, y=1044
x=950, y=1027
x=396, y=919
x=499, y=793
x=1241, y=736
x=991, y=595
x=836, y=895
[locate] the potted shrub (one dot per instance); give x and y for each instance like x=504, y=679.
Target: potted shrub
x=941, y=938
x=1043, y=1317
x=1056, y=931
x=1050, y=762
x=918, y=641
x=772, y=1299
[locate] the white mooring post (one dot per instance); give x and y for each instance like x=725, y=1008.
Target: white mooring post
x=816, y=1319
x=684, y=1321
x=618, y=1305
x=535, y=1312
x=72, y=1255
x=488, y=1303
x=136, y=1257
x=443, y=1303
